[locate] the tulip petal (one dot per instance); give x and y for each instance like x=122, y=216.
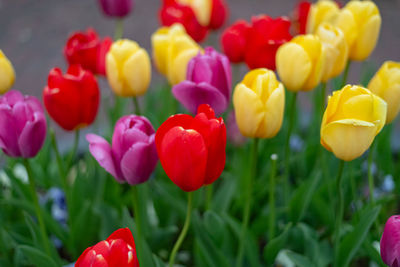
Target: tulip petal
x=113, y=75
x=249, y=110
x=348, y=139
x=101, y=151
x=390, y=242
x=192, y=95
x=124, y=234
x=33, y=136
x=137, y=74
x=181, y=120
x=178, y=65
x=8, y=138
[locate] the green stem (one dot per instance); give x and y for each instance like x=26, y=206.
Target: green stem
x=138, y=222
x=58, y=159
x=370, y=175
x=248, y=200
x=287, y=147
x=42, y=227
x=323, y=98
x=339, y=210
x=184, y=230
x=119, y=29
x=345, y=74
x=209, y=194
x=271, y=231
x=136, y=104
x=73, y=151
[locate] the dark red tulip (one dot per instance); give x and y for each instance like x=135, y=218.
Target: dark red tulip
x=173, y=12
x=86, y=49
x=234, y=41
x=265, y=37
x=72, y=99
x=192, y=150
x=116, y=251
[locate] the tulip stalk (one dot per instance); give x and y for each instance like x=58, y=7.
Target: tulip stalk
x=32, y=187
x=138, y=222
x=136, y=105
x=248, y=200
x=339, y=210
x=323, y=97
x=346, y=74
x=73, y=151
x=370, y=175
x=209, y=194
x=185, y=229
x=287, y=146
x=119, y=29
x=272, y=182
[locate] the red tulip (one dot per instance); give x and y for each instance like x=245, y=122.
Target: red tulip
x=173, y=12
x=264, y=39
x=192, y=150
x=219, y=14
x=234, y=41
x=88, y=50
x=116, y=251
x=72, y=100
x=301, y=15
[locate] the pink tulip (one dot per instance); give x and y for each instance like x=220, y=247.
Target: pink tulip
x=116, y=8
x=22, y=125
x=390, y=242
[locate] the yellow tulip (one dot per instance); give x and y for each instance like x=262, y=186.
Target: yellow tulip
x=172, y=50
x=360, y=22
x=300, y=62
x=352, y=119
x=201, y=9
x=128, y=68
x=386, y=84
x=336, y=51
x=259, y=102
x=7, y=74
x=322, y=11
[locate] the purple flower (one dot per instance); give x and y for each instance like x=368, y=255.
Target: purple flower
x=132, y=156
x=22, y=125
x=116, y=8
x=390, y=242
x=208, y=81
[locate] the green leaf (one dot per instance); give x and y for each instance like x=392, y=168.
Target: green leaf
x=273, y=247
x=299, y=260
x=158, y=262
x=36, y=256
x=352, y=241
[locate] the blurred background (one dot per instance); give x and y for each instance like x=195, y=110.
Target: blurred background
x=33, y=34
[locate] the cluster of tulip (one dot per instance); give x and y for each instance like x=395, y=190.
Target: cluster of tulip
x=192, y=149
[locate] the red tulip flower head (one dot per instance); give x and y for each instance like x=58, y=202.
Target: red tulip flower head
x=265, y=37
x=300, y=16
x=86, y=49
x=72, y=99
x=234, y=41
x=219, y=14
x=116, y=251
x=192, y=150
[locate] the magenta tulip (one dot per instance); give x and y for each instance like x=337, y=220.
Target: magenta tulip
x=22, y=125
x=208, y=81
x=132, y=156
x=116, y=8
x=390, y=242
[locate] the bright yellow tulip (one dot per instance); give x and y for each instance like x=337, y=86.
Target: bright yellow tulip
x=352, y=119
x=336, y=50
x=7, y=74
x=259, y=102
x=322, y=11
x=172, y=50
x=128, y=68
x=300, y=63
x=360, y=22
x=201, y=8
x=386, y=84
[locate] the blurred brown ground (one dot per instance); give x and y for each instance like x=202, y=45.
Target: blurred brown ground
x=33, y=32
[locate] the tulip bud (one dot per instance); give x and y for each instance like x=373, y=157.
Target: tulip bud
x=322, y=11
x=72, y=99
x=208, y=81
x=300, y=63
x=360, y=22
x=117, y=250
x=22, y=125
x=132, y=156
x=352, y=119
x=386, y=84
x=128, y=68
x=234, y=41
x=390, y=250
x=172, y=50
x=219, y=14
x=300, y=16
x=259, y=102
x=7, y=74
x=336, y=50
x=116, y=8
x=201, y=8
x=192, y=150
